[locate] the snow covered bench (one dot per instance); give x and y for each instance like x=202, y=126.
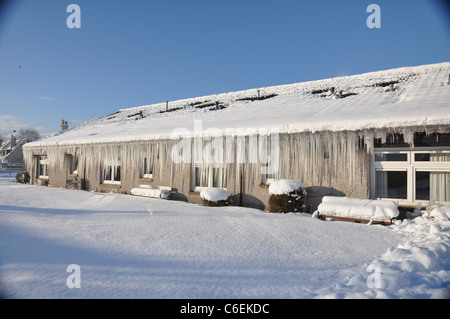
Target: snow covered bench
x=152, y=191
x=359, y=210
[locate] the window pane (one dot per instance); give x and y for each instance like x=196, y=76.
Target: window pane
x=423, y=185
x=432, y=157
x=422, y=157
x=391, y=157
x=443, y=157
x=433, y=186
x=148, y=166
x=201, y=176
x=75, y=164
x=117, y=174
x=219, y=177
x=391, y=184
x=107, y=173
x=43, y=168
x=144, y=169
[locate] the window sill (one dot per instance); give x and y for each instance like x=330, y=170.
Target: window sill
x=111, y=183
x=198, y=190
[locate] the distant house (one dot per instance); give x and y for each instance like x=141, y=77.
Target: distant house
x=11, y=155
x=380, y=135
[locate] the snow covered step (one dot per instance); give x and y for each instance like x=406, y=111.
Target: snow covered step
x=366, y=210
x=152, y=191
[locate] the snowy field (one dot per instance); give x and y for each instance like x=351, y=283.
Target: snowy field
x=133, y=247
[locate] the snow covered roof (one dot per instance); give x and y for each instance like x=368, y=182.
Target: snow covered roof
x=402, y=97
x=6, y=146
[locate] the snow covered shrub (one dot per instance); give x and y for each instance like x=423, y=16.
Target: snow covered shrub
x=287, y=196
x=73, y=183
x=215, y=197
x=23, y=178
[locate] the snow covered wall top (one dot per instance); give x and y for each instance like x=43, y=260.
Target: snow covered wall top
x=403, y=97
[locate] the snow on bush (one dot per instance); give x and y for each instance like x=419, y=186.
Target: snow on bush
x=215, y=197
x=284, y=186
x=358, y=208
x=287, y=196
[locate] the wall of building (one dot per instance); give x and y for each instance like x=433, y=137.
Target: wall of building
x=327, y=164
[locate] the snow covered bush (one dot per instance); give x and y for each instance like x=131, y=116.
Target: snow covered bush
x=287, y=196
x=73, y=183
x=215, y=197
x=23, y=178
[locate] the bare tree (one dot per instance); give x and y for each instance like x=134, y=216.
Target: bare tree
x=30, y=134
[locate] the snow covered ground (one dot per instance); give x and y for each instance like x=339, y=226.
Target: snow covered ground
x=134, y=247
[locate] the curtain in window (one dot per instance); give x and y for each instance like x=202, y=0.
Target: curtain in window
x=440, y=186
x=444, y=157
x=210, y=176
x=201, y=176
x=381, y=184
x=440, y=181
x=219, y=178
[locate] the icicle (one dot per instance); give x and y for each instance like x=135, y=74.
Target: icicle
x=369, y=136
x=408, y=137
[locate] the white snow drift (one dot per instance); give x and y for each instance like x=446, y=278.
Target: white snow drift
x=135, y=247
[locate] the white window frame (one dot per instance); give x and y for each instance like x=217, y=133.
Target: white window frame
x=113, y=174
x=43, y=160
x=273, y=177
x=210, y=168
x=411, y=166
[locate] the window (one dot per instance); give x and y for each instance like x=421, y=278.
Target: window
x=271, y=166
x=111, y=174
x=419, y=175
x=391, y=157
x=391, y=184
x=433, y=186
x=72, y=163
x=147, y=168
x=43, y=166
x=269, y=174
x=209, y=176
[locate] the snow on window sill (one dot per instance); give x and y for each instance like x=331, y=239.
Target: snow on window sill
x=197, y=190
x=113, y=183
x=148, y=177
x=266, y=183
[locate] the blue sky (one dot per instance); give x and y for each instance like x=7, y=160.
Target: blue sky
x=132, y=53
